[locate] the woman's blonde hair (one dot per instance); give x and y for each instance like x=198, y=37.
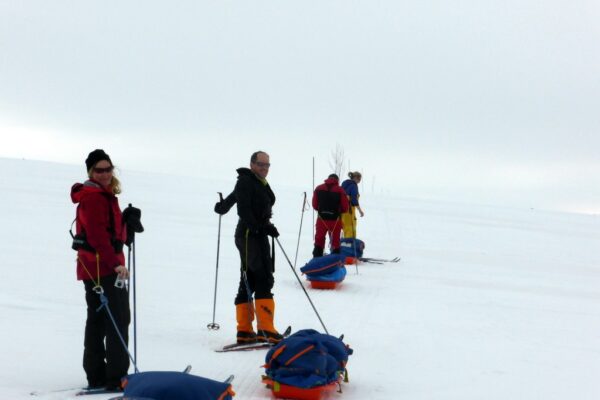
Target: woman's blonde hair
x=115, y=183
x=354, y=174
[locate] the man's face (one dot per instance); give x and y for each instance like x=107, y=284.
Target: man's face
x=261, y=166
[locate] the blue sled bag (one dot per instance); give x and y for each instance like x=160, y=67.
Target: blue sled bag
x=169, y=385
x=323, y=265
x=307, y=359
x=351, y=247
x=336, y=276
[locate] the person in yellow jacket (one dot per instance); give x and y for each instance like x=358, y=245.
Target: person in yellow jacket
x=350, y=186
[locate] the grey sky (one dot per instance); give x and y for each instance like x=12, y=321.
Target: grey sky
x=487, y=101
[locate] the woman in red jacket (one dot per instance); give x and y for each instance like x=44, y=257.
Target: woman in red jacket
x=101, y=267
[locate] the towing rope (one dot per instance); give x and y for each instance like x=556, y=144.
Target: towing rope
x=99, y=290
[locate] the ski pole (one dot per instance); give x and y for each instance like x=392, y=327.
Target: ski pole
x=213, y=325
x=104, y=304
x=300, y=230
x=313, y=186
x=354, y=242
x=134, y=304
x=132, y=292
x=131, y=218
x=301, y=285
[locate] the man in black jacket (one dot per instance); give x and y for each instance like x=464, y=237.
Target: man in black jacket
x=255, y=200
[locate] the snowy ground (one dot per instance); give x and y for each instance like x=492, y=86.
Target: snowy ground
x=487, y=302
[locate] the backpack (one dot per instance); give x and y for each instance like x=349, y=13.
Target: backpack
x=329, y=204
x=307, y=359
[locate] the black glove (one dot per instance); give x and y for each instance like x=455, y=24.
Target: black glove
x=132, y=218
x=271, y=230
x=225, y=204
x=220, y=208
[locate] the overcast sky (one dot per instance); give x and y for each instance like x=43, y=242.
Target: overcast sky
x=485, y=101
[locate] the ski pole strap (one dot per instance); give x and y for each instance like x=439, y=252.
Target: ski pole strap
x=104, y=304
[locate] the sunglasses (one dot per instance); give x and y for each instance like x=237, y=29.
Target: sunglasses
x=263, y=164
x=104, y=170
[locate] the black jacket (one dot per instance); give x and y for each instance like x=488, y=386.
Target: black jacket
x=255, y=201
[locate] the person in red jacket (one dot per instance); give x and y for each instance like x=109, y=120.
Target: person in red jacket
x=330, y=201
x=101, y=267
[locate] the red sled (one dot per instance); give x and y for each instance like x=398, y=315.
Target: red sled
x=350, y=260
x=282, y=391
x=323, y=284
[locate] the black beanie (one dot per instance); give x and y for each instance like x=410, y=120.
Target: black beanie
x=94, y=157
x=334, y=176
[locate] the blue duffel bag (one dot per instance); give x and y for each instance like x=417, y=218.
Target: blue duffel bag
x=169, y=385
x=307, y=359
x=323, y=265
x=336, y=276
x=352, y=247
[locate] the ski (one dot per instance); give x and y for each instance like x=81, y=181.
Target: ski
x=252, y=346
x=129, y=398
x=379, y=260
x=87, y=392
x=46, y=392
x=79, y=391
x=244, y=347
x=371, y=262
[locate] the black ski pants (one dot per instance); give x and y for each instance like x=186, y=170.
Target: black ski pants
x=105, y=359
x=256, y=261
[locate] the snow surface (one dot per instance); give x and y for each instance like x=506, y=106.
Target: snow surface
x=486, y=303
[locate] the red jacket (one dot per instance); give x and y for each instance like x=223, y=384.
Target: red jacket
x=94, y=205
x=336, y=199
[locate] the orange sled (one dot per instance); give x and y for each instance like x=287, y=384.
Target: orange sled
x=350, y=260
x=282, y=391
x=323, y=284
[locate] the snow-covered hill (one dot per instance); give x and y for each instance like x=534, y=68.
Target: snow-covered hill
x=487, y=302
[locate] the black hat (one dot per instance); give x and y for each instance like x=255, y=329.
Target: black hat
x=94, y=157
x=334, y=176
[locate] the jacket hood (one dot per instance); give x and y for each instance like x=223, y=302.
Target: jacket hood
x=245, y=171
x=79, y=190
x=248, y=172
x=331, y=182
